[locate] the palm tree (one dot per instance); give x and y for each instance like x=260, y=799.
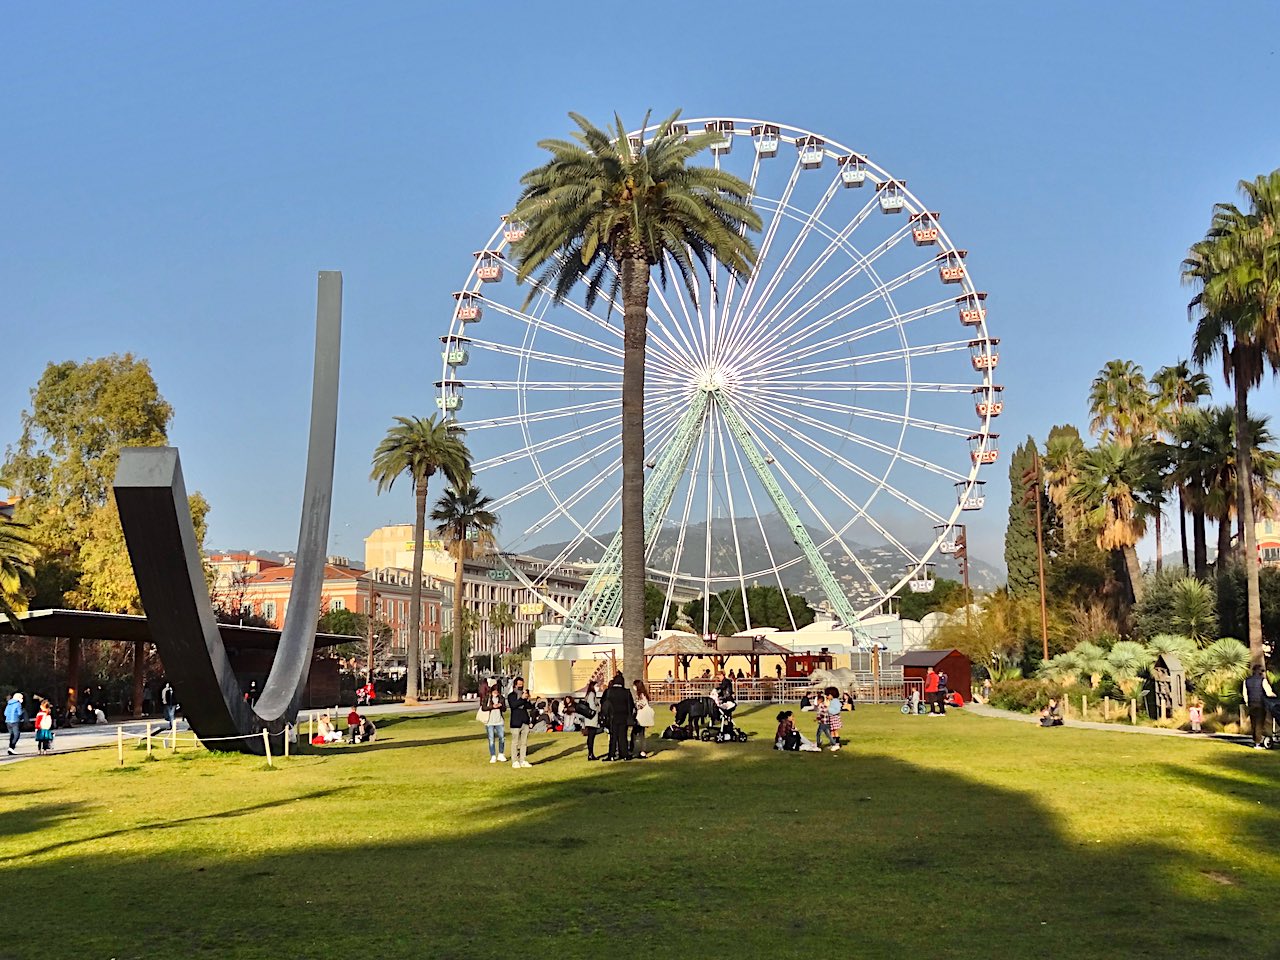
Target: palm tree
x=1120, y=404
x=17, y=554
x=421, y=448
x=1177, y=387
x=1199, y=455
x=463, y=518
x=1110, y=490
x=1195, y=610
x=1125, y=662
x=501, y=619
x=605, y=212
x=1236, y=272
x=1062, y=455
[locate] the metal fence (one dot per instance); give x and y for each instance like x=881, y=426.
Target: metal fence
x=895, y=690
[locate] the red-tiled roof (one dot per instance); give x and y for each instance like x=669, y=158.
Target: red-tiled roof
x=280, y=574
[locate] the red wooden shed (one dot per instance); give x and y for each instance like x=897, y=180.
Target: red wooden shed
x=953, y=663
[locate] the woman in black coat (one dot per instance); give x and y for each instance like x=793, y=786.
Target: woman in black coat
x=620, y=710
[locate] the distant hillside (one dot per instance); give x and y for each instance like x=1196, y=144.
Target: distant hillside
x=884, y=563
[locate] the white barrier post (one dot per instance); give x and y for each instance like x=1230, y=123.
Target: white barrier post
x=173, y=733
x=148, y=741
x=266, y=743
x=288, y=729
x=120, y=744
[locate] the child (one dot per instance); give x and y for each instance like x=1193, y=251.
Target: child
x=1197, y=715
x=834, y=720
x=823, y=714
x=787, y=737
x=44, y=727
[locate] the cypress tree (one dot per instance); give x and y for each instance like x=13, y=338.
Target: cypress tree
x=1020, y=535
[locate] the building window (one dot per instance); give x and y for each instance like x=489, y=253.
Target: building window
x=433, y=614
x=246, y=609
x=336, y=604
x=269, y=610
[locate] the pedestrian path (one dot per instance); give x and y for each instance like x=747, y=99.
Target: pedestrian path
x=983, y=710
x=87, y=736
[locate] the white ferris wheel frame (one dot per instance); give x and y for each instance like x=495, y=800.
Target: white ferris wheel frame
x=661, y=430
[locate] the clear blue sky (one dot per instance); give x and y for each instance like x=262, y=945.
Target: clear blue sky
x=173, y=177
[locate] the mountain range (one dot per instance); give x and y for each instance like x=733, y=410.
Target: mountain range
x=885, y=563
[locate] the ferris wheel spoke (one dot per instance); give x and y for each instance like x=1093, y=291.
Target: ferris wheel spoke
x=556, y=413
x=540, y=323
x=879, y=291
x=880, y=482
x=684, y=528
x=733, y=523
x=706, y=568
x=764, y=537
x=774, y=351
x=655, y=343
x=661, y=431
x=544, y=477
x=763, y=254
x=859, y=511
x=879, y=447
x=752, y=323
x=882, y=386
x=727, y=300
x=818, y=514
x=866, y=359
x=835, y=242
x=867, y=413
x=551, y=443
x=689, y=330
x=528, y=353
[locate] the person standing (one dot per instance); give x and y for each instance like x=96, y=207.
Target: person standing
x=644, y=720
x=986, y=690
x=823, y=716
x=944, y=691
x=931, y=691
x=591, y=719
x=13, y=720
x=44, y=727
x=1255, y=689
x=1196, y=715
x=620, y=709
x=519, y=703
x=169, y=702
x=835, y=721
x=495, y=725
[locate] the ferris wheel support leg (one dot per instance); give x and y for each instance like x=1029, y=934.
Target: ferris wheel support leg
x=826, y=579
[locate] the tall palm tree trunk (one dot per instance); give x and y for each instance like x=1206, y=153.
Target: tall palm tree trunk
x=1159, y=535
x=1134, y=570
x=635, y=304
x=1224, y=542
x=456, y=672
x=412, y=655
x=1182, y=529
x=1249, y=545
x=1200, y=538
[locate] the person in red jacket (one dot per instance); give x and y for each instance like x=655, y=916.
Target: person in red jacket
x=931, y=694
x=353, y=724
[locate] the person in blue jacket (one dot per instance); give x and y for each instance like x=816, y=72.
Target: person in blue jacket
x=13, y=720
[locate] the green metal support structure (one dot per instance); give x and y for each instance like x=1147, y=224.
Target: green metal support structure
x=600, y=603
x=826, y=579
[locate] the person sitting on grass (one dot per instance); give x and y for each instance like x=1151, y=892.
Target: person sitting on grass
x=325, y=732
x=367, y=730
x=1050, y=716
x=786, y=737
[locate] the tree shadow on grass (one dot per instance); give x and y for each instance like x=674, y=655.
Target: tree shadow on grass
x=699, y=853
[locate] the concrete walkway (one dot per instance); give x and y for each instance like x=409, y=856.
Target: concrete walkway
x=87, y=736
x=983, y=710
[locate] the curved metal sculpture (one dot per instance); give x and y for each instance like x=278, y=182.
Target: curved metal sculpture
x=156, y=520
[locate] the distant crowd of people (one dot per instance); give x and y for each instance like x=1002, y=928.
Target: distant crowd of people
x=623, y=713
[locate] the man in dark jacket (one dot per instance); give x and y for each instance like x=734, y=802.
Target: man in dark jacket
x=1256, y=690
x=620, y=707
x=519, y=706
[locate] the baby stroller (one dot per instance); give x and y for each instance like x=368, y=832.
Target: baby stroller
x=722, y=728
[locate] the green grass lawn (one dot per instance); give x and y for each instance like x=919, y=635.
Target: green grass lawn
x=963, y=837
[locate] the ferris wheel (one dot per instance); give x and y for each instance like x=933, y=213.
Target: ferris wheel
x=818, y=426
